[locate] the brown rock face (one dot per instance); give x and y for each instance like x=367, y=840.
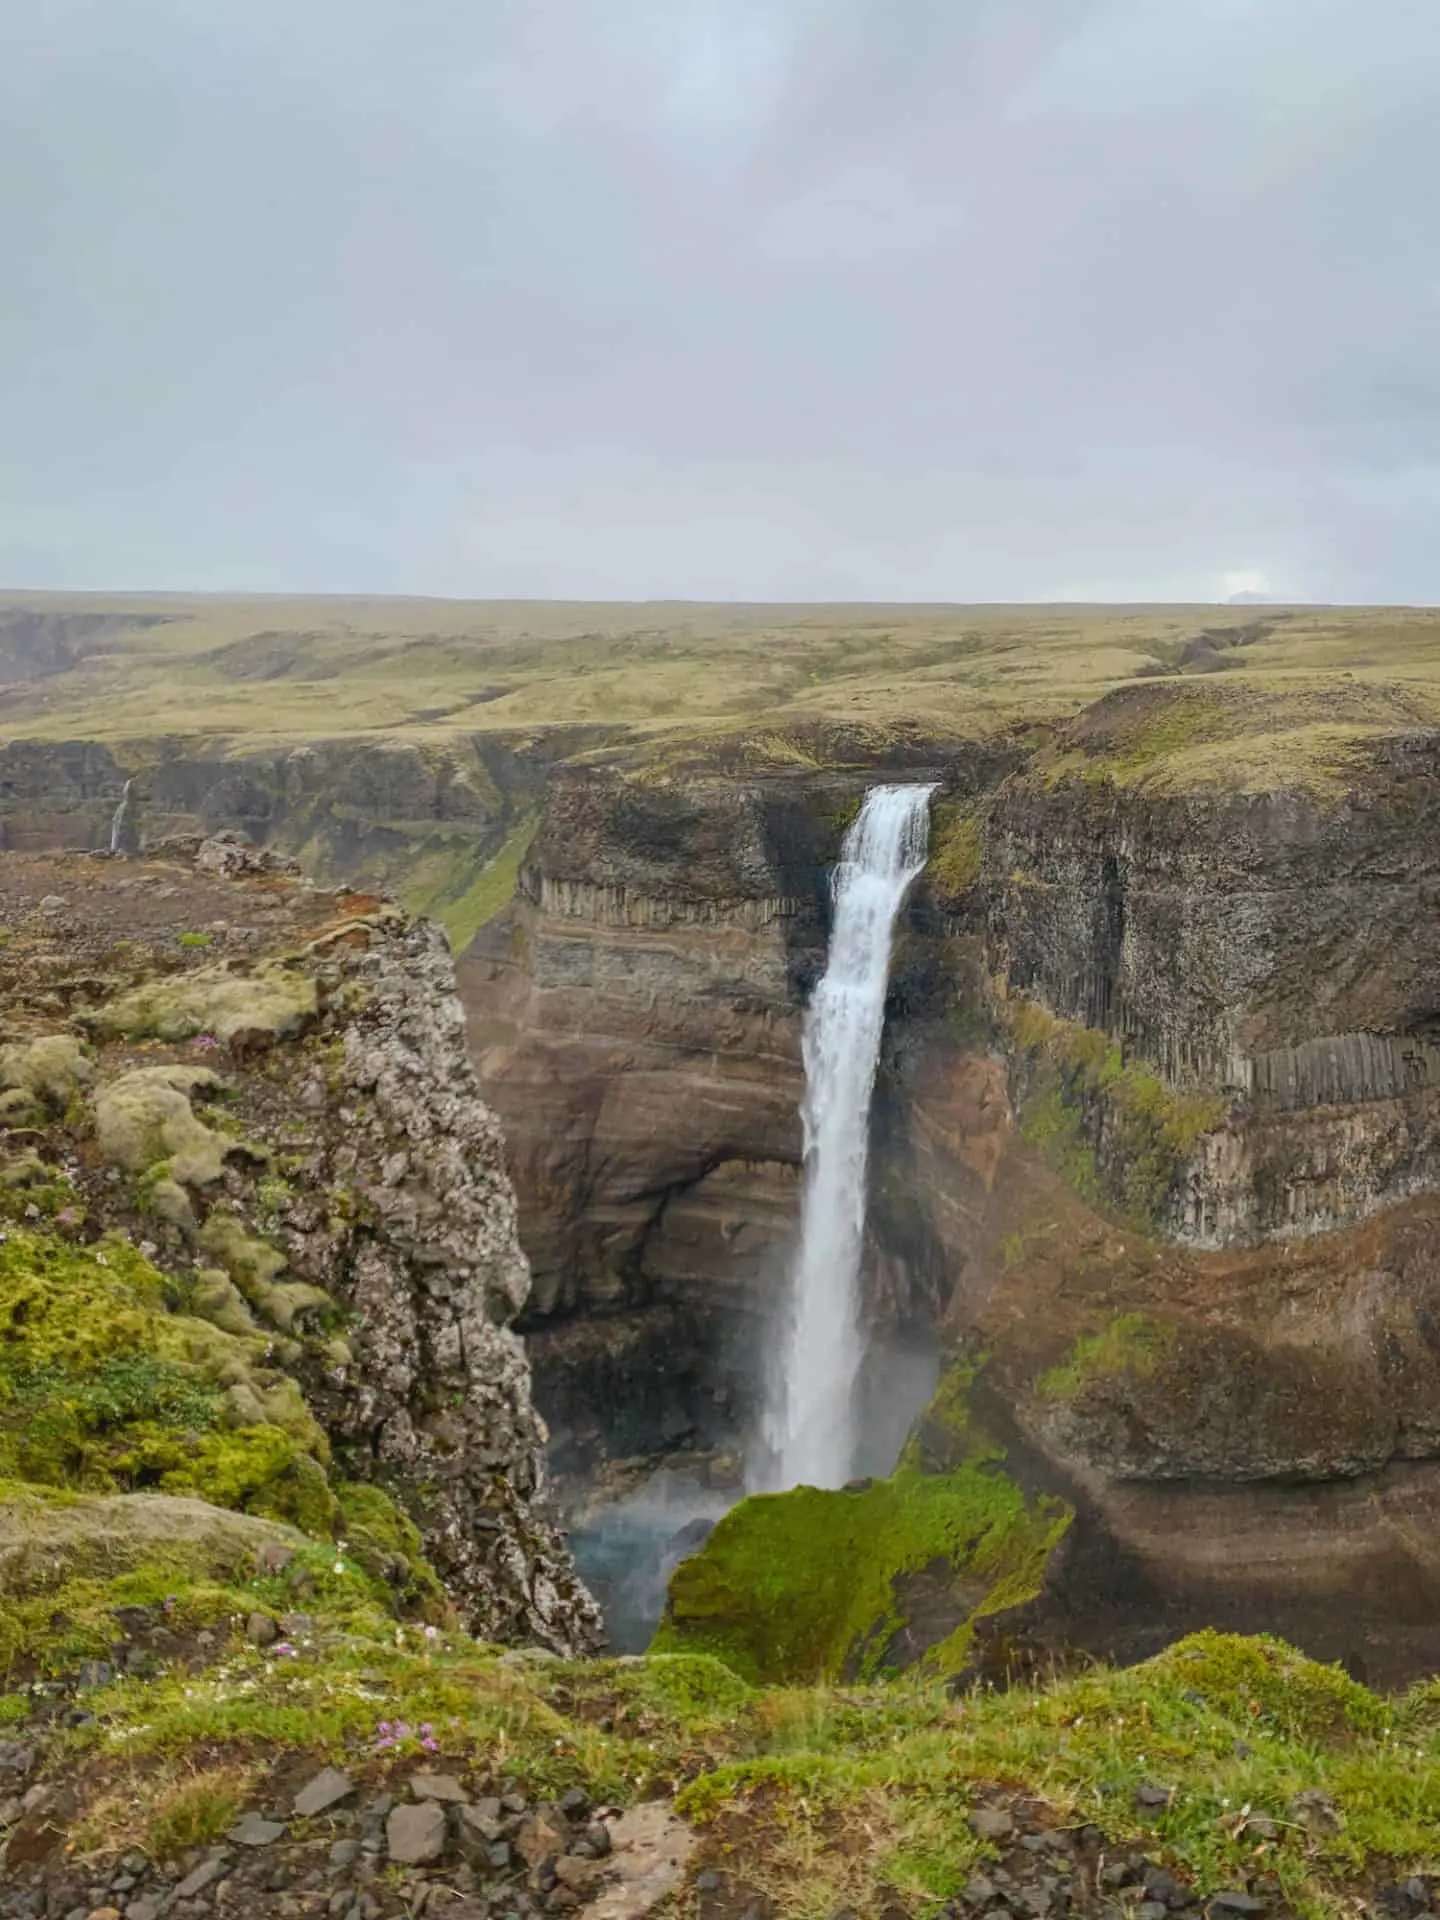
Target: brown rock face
x=636, y=1022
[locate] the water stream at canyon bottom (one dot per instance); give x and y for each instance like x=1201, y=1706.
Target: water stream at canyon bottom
x=809, y=1430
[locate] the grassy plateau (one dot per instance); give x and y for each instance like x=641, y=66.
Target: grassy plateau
x=245, y=673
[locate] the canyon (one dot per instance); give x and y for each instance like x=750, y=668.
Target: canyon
x=1156, y=1131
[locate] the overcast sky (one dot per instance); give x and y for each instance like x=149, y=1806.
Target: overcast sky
x=932, y=299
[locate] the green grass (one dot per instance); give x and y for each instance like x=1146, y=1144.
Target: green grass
x=464, y=900
x=822, y=1794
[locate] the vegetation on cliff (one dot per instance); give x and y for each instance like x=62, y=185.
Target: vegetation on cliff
x=813, y=1585
x=1117, y=1131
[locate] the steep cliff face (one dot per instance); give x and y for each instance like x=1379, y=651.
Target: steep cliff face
x=264, y=1087
x=1168, y=1139
x=57, y=796
x=636, y=1022
x=1276, y=948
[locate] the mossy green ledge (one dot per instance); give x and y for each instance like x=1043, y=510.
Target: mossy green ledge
x=863, y=1582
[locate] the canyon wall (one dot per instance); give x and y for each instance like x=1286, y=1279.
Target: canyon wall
x=1157, y=1128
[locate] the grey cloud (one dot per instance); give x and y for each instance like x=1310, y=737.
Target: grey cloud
x=796, y=297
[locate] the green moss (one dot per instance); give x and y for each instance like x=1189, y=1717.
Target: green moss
x=808, y=1585
x=144, y=1123
x=1049, y=1122
x=196, y=939
x=1114, y=1129
x=51, y=1070
x=1268, y=1683
x=103, y=1388
x=253, y=1265
x=1133, y=1345
x=387, y=1544
x=215, y=1297
x=957, y=848
x=949, y=1433
x=272, y=1002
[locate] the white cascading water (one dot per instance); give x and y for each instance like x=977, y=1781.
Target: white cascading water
x=118, y=818
x=809, y=1425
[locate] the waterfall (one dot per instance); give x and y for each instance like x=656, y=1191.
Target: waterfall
x=808, y=1430
x=118, y=819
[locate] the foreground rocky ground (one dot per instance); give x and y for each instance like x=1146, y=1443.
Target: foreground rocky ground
x=367, y=1772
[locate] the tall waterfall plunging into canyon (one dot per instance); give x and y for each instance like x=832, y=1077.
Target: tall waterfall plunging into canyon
x=809, y=1429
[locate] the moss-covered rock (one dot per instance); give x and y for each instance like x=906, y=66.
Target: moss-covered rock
x=271, y=1003
x=49, y=1070
x=49, y=1537
x=103, y=1388
x=812, y=1585
x=387, y=1544
x=254, y=1267
x=144, y=1120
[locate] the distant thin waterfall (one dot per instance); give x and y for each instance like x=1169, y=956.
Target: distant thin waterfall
x=118, y=819
x=809, y=1426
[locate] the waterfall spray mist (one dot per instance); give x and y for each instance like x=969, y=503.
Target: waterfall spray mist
x=809, y=1426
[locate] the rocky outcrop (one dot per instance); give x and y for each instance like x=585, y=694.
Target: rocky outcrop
x=327, y=1190
x=432, y=1274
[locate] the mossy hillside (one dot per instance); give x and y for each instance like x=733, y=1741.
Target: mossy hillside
x=465, y=893
x=1114, y=1129
x=103, y=1388
x=72, y=1566
x=274, y=1001
x=808, y=1585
